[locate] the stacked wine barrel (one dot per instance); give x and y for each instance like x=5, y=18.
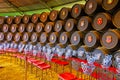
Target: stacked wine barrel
x=93, y=26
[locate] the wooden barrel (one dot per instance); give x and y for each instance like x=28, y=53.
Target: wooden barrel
x=26, y=37
x=111, y=39
x=13, y=28
x=40, y=44
x=17, y=37
x=84, y=24
x=77, y=10
x=49, y=27
x=9, y=20
x=1, y=27
x=17, y=19
x=77, y=38
x=59, y=45
x=116, y=19
x=34, y=38
x=71, y=47
x=50, y=45
x=39, y=27
x=53, y=38
x=102, y=21
x=44, y=17
x=93, y=6
x=53, y=16
x=92, y=39
x=59, y=24
x=2, y=20
x=35, y=18
x=64, y=13
x=2, y=36
x=22, y=27
x=70, y=25
x=25, y=19
x=5, y=28
x=64, y=38
x=82, y=50
x=30, y=27
x=111, y=5
x=43, y=38
x=99, y=53
x=9, y=36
